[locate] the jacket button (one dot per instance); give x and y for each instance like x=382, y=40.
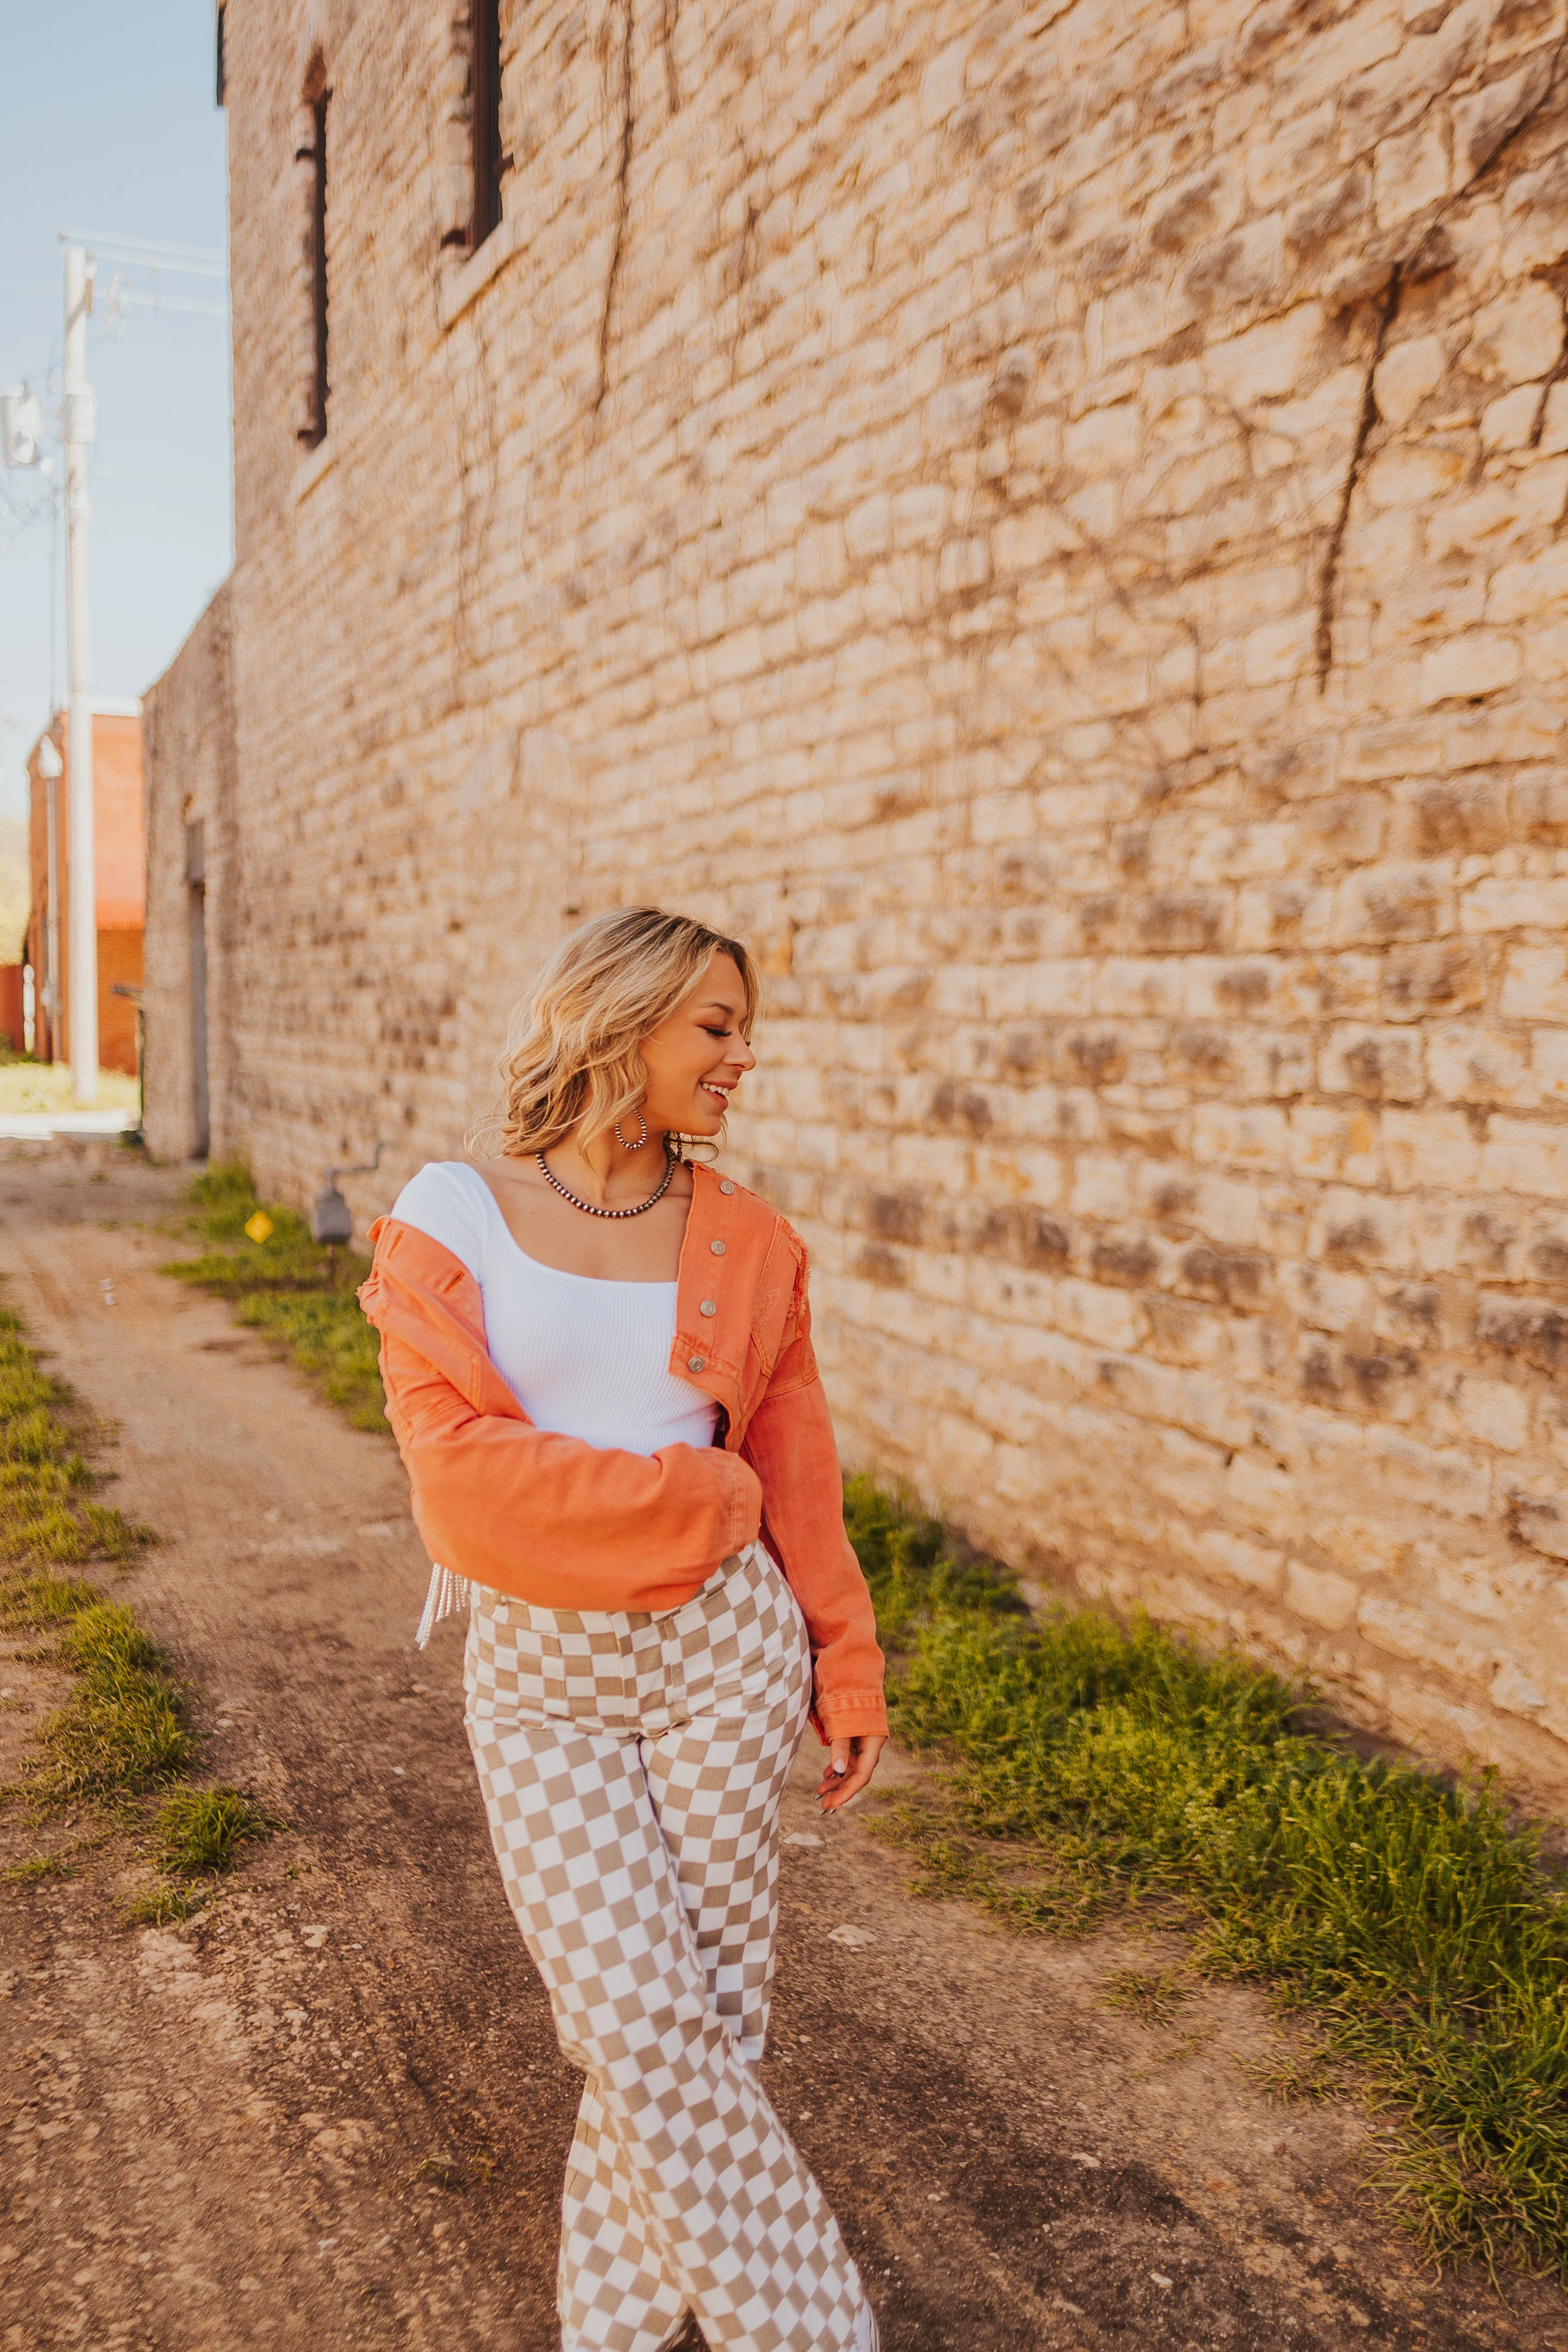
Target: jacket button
x=695, y=1363
x=725, y=1185
x=717, y=1248
x=708, y=1307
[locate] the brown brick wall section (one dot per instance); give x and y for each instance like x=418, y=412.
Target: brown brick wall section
x=1047, y=521
x=119, y=876
x=12, y=1005
x=188, y=732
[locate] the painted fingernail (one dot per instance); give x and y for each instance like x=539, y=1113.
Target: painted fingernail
x=841, y=1768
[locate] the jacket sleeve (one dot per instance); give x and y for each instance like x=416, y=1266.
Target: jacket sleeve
x=789, y=1443
x=553, y=1521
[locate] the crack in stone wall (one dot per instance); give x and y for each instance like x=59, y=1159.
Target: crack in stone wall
x=622, y=202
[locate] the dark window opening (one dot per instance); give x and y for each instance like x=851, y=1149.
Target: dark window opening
x=218, y=62
x=313, y=434
x=484, y=94
x=197, y=911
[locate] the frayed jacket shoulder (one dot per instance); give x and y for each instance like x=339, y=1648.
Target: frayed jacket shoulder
x=565, y=1525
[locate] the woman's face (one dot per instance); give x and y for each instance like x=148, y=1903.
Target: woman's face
x=697, y=1056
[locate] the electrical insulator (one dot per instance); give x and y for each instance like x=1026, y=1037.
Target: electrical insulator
x=20, y=425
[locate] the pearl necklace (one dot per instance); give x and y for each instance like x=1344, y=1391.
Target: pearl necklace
x=587, y=1207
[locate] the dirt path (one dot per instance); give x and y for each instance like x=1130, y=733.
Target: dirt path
x=330, y=2112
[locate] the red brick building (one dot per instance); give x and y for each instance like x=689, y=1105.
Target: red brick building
x=121, y=879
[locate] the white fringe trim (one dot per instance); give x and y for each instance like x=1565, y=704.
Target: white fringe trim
x=447, y=1596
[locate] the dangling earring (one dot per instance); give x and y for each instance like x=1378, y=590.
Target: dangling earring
x=642, y=1139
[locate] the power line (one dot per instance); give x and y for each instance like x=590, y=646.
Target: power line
x=188, y=260
x=172, y=302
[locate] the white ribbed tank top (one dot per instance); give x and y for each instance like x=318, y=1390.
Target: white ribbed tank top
x=587, y=1358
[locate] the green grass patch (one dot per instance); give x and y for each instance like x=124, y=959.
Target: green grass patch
x=123, y=1730
x=1414, y=1916
x=31, y=1604
x=287, y=1284
x=1307, y=2075
x=199, y=1831
x=49, y=1518
x=160, y=1906
x=36, y=1867
x=1152, y=1995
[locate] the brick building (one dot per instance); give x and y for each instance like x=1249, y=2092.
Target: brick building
x=1046, y=520
x=119, y=862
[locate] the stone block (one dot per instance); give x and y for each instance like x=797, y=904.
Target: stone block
x=1513, y=1690
x=1479, y=662
x=1518, y=337
x=1498, y=1591
x=1535, y=979
x=1381, y=1064
x=1236, y=1560
x=1526, y=1156
x=1319, y=1596
x=1498, y=903
x=1469, y=1063
x=1402, y=1631
x=1267, y=362
x=1542, y=1521
x=1548, y=1065
x=1494, y=1412
x=1406, y=374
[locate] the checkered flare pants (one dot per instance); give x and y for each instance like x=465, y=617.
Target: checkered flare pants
x=632, y=1768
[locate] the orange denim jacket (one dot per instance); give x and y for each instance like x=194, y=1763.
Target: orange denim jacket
x=565, y=1525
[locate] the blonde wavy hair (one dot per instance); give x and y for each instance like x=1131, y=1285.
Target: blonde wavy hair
x=573, y=1060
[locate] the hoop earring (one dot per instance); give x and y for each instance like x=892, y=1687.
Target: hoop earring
x=642, y=1139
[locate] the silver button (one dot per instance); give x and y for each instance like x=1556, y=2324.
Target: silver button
x=725, y=1185
x=695, y=1363
x=708, y=1307
x=717, y=1248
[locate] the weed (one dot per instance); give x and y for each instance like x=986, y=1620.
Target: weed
x=38, y=1867
x=47, y=1518
x=287, y=1284
x=121, y=1731
x=32, y=1603
x=440, y=2172
x=201, y=1830
x=112, y=1536
x=1298, y=2074
x=1412, y=1915
x=1030, y=1886
x=160, y=1904
x=1152, y=1995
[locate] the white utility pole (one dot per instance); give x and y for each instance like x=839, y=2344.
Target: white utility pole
x=51, y=768
x=80, y=430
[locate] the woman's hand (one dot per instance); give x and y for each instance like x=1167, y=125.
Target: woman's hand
x=853, y=1761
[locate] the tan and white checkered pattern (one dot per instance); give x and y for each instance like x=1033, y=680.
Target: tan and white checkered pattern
x=632, y=1768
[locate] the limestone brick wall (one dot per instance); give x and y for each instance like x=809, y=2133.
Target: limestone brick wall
x=1047, y=520
x=188, y=748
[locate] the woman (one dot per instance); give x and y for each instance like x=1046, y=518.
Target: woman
x=598, y=1367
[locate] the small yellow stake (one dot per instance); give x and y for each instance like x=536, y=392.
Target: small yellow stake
x=258, y=1226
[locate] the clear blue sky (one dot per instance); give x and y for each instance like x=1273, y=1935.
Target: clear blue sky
x=109, y=125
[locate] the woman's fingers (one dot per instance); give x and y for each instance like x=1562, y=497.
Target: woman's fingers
x=852, y=1763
